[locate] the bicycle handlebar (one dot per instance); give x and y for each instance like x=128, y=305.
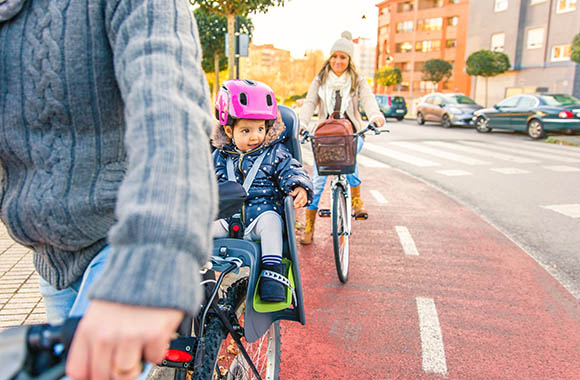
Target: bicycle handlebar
x=370, y=127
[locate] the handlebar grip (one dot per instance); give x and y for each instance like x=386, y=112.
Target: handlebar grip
x=68, y=330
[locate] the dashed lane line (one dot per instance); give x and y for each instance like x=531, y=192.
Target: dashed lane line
x=407, y=241
x=432, y=348
x=379, y=197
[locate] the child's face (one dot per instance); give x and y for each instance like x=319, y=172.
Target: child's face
x=248, y=134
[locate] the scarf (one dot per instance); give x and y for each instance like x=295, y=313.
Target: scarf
x=327, y=91
x=9, y=8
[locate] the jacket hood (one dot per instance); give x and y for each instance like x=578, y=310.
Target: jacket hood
x=219, y=139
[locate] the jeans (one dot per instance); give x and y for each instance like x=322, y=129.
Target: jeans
x=319, y=181
x=73, y=301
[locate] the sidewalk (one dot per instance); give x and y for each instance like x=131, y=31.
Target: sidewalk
x=20, y=300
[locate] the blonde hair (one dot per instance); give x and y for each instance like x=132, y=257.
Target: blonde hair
x=351, y=69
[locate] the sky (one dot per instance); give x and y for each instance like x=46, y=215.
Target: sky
x=314, y=24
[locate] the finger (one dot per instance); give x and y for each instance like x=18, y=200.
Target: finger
x=127, y=358
x=78, y=362
x=155, y=350
x=293, y=192
x=101, y=351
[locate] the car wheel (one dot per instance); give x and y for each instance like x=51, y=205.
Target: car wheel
x=536, y=129
x=481, y=125
x=400, y=118
x=420, y=118
x=445, y=121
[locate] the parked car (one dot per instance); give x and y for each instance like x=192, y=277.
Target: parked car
x=535, y=114
x=447, y=109
x=390, y=105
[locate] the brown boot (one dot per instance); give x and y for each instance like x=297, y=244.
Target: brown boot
x=358, y=209
x=308, y=234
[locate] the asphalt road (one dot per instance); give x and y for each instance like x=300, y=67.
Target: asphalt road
x=527, y=189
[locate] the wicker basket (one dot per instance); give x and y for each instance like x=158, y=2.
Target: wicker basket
x=335, y=155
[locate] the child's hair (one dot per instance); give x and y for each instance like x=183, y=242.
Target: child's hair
x=245, y=99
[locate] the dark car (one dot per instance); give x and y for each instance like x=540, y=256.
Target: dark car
x=535, y=114
x=390, y=105
x=447, y=109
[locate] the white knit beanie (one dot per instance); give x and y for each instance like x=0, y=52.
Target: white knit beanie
x=344, y=44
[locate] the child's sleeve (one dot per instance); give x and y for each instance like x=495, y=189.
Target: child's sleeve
x=291, y=174
x=219, y=163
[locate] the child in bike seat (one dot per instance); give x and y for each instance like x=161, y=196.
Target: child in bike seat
x=250, y=136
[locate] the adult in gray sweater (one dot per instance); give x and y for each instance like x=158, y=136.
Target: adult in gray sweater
x=104, y=125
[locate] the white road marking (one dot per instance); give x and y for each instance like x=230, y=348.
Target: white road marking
x=547, y=156
x=572, y=210
x=407, y=241
x=379, y=197
x=562, y=168
x=483, y=152
x=453, y=172
x=509, y=171
x=367, y=162
x=404, y=157
x=542, y=147
x=307, y=157
x=431, y=337
x=440, y=153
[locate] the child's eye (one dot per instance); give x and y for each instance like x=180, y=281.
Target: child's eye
x=261, y=129
x=245, y=130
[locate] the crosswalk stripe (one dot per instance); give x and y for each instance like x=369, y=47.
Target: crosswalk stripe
x=404, y=157
x=440, y=153
x=547, y=148
x=571, y=210
x=307, y=157
x=509, y=170
x=548, y=156
x=562, y=168
x=453, y=172
x=483, y=152
x=369, y=162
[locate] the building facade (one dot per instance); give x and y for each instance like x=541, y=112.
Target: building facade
x=411, y=32
x=536, y=35
x=364, y=56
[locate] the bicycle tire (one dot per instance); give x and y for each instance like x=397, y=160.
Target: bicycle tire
x=219, y=356
x=339, y=234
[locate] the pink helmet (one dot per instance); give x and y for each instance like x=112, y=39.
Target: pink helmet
x=245, y=99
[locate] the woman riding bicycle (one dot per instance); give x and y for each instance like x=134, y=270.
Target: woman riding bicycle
x=338, y=74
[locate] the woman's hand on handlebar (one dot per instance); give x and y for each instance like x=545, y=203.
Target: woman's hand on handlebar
x=378, y=122
x=113, y=339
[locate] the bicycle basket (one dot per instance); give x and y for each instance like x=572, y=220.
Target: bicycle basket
x=334, y=154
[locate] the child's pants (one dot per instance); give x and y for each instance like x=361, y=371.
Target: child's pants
x=267, y=228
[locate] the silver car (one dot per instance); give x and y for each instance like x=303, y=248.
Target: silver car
x=447, y=109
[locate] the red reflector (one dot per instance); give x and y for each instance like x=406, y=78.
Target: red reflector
x=178, y=356
x=235, y=227
x=390, y=102
x=565, y=114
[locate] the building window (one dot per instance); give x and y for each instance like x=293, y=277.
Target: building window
x=533, y=2
x=454, y=1
x=565, y=6
x=452, y=21
x=406, y=6
x=404, y=86
x=561, y=53
x=418, y=66
x=403, y=66
x=427, y=4
x=429, y=24
x=497, y=42
x=449, y=44
x=535, y=38
x=500, y=5
x=428, y=46
x=405, y=27
x=404, y=47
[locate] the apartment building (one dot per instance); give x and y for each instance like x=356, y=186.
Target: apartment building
x=536, y=35
x=411, y=32
x=364, y=56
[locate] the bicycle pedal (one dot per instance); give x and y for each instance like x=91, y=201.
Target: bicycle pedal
x=324, y=213
x=364, y=217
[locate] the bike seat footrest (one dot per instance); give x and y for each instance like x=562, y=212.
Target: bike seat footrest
x=324, y=213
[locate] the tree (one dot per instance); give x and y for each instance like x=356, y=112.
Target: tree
x=575, y=54
x=212, y=29
x=487, y=64
x=435, y=70
x=232, y=8
x=388, y=76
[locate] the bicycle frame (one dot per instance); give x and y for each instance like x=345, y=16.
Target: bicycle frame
x=340, y=180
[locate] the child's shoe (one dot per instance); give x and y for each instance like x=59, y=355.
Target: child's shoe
x=269, y=289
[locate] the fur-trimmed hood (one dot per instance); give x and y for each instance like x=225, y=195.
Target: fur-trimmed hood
x=219, y=139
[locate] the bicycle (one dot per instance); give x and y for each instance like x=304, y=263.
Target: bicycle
x=336, y=156
x=201, y=351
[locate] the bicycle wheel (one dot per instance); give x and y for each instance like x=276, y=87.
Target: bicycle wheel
x=340, y=233
x=223, y=359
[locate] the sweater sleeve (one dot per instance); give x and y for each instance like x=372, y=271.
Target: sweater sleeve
x=368, y=100
x=168, y=198
x=310, y=103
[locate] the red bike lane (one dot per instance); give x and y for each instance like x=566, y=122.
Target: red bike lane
x=498, y=314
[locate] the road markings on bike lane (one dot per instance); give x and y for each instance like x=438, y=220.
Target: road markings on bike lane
x=379, y=197
x=431, y=337
x=407, y=241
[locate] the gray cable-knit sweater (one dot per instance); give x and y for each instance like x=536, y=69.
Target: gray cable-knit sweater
x=104, y=125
